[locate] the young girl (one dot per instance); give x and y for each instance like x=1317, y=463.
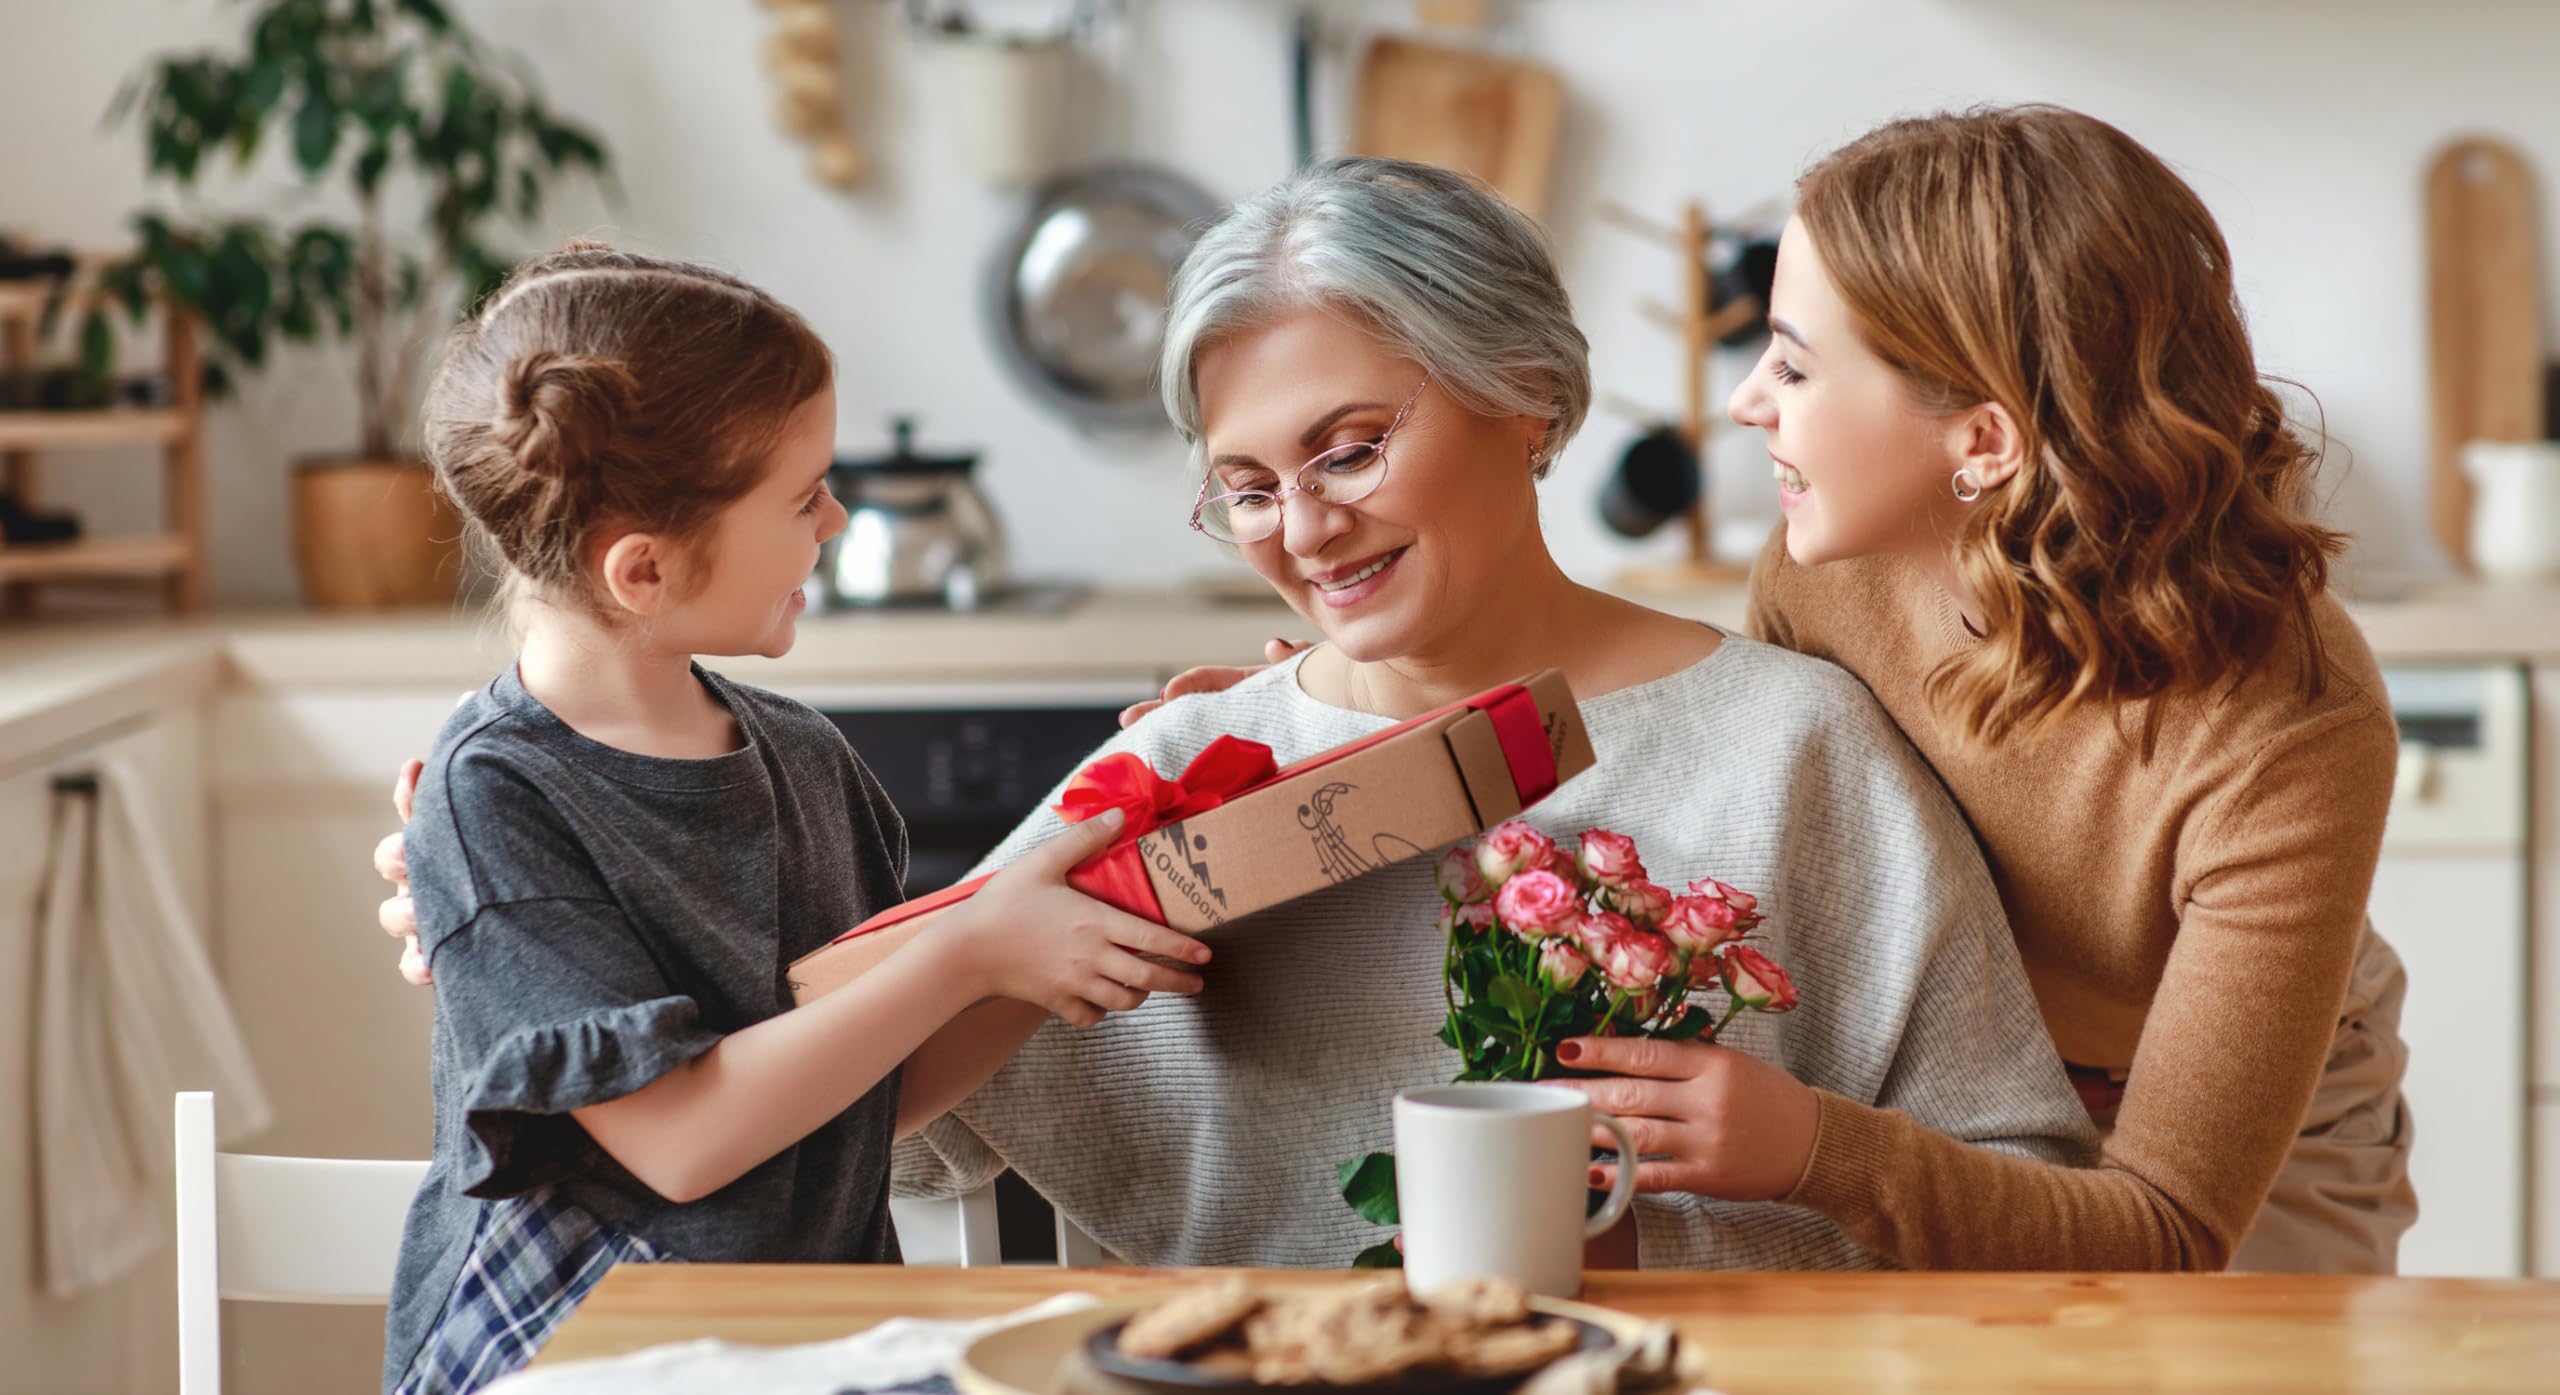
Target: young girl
x=617, y=852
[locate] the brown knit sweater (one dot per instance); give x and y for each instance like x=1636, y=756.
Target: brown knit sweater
x=2191, y=917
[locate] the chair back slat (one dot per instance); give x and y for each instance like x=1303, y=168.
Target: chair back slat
x=312, y=1230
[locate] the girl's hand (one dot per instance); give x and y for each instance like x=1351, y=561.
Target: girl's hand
x=398, y=916
x=1209, y=680
x=1030, y=936
x=1724, y=1123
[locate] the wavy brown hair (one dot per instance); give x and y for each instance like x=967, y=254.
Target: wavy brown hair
x=2154, y=541
x=603, y=389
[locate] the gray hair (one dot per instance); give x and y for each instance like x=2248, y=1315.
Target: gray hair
x=1438, y=267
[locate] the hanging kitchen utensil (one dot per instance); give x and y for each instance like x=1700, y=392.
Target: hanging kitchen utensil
x=1701, y=319
x=2484, y=319
x=1495, y=118
x=1080, y=284
x=1657, y=479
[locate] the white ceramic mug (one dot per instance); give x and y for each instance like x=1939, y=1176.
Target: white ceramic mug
x=1490, y=1181
x=2515, y=507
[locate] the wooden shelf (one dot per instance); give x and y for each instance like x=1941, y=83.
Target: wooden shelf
x=173, y=557
x=83, y=430
x=146, y=557
x=24, y=299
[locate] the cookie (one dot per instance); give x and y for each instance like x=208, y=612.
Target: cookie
x=1224, y=1363
x=1479, y=1303
x=1510, y=1351
x=1193, y=1320
x=1356, y=1337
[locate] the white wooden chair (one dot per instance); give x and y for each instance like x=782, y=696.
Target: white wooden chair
x=963, y=1232
x=276, y=1230
x=327, y=1230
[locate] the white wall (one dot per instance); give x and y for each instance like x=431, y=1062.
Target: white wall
x=2304, y=124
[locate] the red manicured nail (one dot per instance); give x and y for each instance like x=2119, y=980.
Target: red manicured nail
x=1569, y=1053
x=1599, y=1177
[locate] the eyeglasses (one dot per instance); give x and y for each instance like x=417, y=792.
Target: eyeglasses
x=1346, y=474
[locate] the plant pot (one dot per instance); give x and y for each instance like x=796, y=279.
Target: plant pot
x=374, y=535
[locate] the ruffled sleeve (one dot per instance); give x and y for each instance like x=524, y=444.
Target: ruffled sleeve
x=551, y=1006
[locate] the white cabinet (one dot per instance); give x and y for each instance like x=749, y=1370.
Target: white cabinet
x=121, y=1338
x=2450, y=896
x=2544, y=1075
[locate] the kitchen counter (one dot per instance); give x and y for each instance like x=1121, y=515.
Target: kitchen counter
x=61, y=686
x=63, y=679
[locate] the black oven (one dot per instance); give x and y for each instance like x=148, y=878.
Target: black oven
x=964, y=769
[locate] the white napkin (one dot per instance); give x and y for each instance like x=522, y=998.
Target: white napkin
x=897, y=1354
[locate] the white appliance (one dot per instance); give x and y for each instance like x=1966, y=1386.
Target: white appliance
x=2450, y=896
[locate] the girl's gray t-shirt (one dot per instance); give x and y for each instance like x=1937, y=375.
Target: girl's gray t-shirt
x=596, y=918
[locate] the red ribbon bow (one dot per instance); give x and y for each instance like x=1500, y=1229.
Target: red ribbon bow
x=1229, y=767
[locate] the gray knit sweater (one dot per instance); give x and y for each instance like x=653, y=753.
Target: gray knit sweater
x=1205, y=1130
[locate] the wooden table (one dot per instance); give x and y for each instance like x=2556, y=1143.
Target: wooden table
x=1795, y=1333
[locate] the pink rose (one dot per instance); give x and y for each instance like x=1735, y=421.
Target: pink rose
x=1632, y=960
x=1509, y=850
x=1746, y=907
x=1643, y=902
x=1755, y=981
x=1700, y=923
x=1460, y=883
x=1610, y=858
x=1474, y=918
x=1538, y=905
x=1561, y=964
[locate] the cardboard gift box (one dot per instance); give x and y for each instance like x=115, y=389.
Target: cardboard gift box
x=1233, y=835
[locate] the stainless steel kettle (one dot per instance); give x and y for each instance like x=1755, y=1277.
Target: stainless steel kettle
x=917, y=532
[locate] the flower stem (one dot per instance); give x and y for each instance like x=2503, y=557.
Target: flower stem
x=1616, y=1001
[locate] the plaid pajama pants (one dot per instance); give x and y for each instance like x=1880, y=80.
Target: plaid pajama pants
x=532, y=1258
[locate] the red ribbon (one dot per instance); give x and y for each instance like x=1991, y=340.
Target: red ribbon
x=1118, y=876
x=1522, y=733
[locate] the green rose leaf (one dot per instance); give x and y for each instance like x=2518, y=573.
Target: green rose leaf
x=1383, y=1255
x=1513, y=995
x=1369, y=1184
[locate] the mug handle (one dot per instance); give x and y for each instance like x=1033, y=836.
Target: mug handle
x=1622, y=1194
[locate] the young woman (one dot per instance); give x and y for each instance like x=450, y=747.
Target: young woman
x=2038, y=498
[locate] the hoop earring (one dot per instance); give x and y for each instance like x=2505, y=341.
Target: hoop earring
x=1966, y=486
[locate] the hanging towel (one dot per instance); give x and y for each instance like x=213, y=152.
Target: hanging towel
x=128, y=1013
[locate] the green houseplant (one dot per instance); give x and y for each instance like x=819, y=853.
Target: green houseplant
x=430, y=136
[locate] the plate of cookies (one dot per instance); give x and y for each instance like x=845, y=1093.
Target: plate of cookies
x=1234, y=1336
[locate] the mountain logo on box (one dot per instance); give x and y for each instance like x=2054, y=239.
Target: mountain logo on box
x=1177, y=850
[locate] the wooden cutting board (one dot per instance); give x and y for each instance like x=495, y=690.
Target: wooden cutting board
x=2484, y=319
x=1495, y=118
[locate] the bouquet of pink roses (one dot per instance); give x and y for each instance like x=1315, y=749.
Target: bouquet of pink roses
x=1547, y=944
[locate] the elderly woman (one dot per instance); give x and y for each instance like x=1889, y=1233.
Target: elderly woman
x=1374, y=362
